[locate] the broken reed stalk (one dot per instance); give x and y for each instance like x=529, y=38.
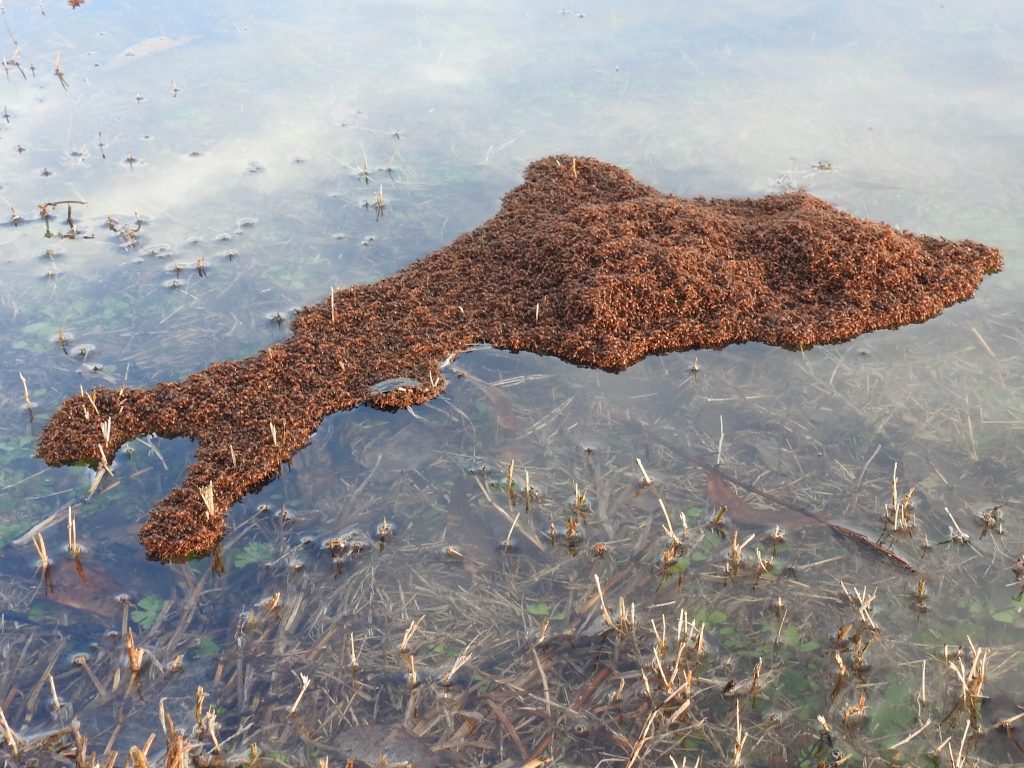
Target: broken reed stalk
x=927, y=723
x=136, y=653
x=407, y=637
x=54, y=698
x=104, y=464
x=740, y=741
x=305, y=680
x=206, y=493
x=73, y=547
x=899, y=513
x=862, y=601
x=81, y=660
x=921, y=594
x=512, y=520
x=579, y=499
x=721, y=440
x=507, y=543
x=412, y=679
x=210, y=727
x=956, y=533
x=1006, y=722
x=959, y=760
x=460, y=661
x=604, y=607
x=626, y=617
x=353, y=663
x=922, y=695
x=14, y=742
x=510, y=488
x=647, y=478
x=735, y=557
x=29, y=405
x=200, y=700
x=971, y=679
x=668, y=523
x=88, y=397
x=176, y=755
x=40, y=545
x=272, y=605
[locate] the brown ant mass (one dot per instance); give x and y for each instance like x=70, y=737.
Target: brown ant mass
x=583, y=262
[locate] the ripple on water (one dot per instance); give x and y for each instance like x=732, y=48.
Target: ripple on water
x=83, y=350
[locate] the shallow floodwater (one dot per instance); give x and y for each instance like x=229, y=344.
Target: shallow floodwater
x=535, y=566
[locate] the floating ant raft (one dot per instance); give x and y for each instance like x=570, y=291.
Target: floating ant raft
x=583, y=262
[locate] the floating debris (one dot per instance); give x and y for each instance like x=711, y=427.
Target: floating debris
x=379, y=392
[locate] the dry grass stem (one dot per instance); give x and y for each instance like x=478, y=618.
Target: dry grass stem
x=206, y=494
x=104, y=464
x=74, y=549
x=24, y=386
x=1006, y=722
x=80, y=660
x=54, y=698
x=510, y=488
x=959, y=760
x=604, y=607
x=177, y=750
x=721, y=440
x=669, y=530
x=12, y=739
x=407, y=637
x=862, y=602
x=647, y=481
x=136, y=653
x=956, y=533
x=139, y=757
x=899, y=513
x=910, y=737
x=200, y=701
x=971, y=679
x=579, y=499
x=353, y=662
x=735, y=559
x=739, y=742
x=40, y=545
x=507, y=543
x=305, y=680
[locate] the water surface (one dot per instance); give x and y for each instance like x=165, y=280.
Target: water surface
x=228, y=159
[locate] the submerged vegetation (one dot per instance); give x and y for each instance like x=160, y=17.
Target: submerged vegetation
x=580, y=601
